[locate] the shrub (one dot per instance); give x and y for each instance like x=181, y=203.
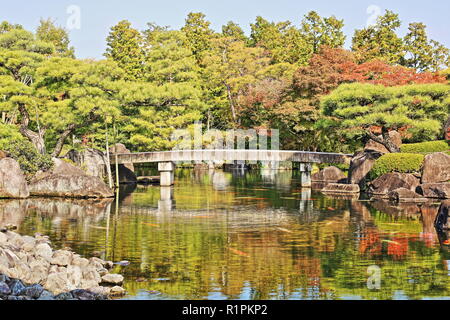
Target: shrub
x=397, y=162
x=29, y=158
x=426, y=147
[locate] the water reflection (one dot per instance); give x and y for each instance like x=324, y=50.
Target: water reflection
x=218, y=235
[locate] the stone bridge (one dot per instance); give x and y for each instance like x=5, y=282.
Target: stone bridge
x=167, y=159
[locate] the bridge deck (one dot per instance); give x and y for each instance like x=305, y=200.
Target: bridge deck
x=231, y=155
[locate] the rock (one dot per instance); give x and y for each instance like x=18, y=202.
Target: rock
x=57, y=283
x=28, y=243
x=334, y=188
x=435, y=190
x=442, y=222
x=14, y=239
x=360, y=166
x=39, y=270
x=4, y=289
x=396, y=138
x=66, y=180
x=112, y=278
x=405, y=195
x=126, y=171
x=13, y=183
x=16, y=286
x=121, y=149
x=43, y=250
x=126, y=176
x=329, y=174
x=90, y=274
x=4, y=278
x=74, y=276
x=94, y=161
x=117, y=291
x=3, y=238
x=99, y=290
x=46, y=295
x=80, y=262
x=81, y=294
x=87, y=284
x=392, y=181
x=64, y=296
x=61, y=258
x=33, y=291
x=436, y=168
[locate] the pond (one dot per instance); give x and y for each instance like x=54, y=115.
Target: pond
x=249, y=235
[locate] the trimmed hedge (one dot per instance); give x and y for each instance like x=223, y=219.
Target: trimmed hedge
x=397, y=162
x=426, y=147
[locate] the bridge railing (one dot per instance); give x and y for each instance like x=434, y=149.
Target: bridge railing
x=231, y=155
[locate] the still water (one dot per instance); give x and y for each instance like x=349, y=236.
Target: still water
x=254, y=235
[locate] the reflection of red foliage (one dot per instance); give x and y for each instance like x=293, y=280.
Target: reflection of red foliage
x=398, y=247
x=370, y=243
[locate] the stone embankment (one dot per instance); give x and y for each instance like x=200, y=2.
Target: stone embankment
x=31, y=269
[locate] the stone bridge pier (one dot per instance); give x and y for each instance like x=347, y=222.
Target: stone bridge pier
x=167, y=173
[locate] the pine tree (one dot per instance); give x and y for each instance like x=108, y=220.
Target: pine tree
x=47, y=31
x=124, y=46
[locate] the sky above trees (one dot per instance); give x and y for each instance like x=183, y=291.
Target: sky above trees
x=97, y=17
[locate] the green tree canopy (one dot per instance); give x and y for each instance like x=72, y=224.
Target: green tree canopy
x=380, y=41
x=48, y=32
x=125, y=46
x=198, y=33
x=422, y=109
x=319, y=31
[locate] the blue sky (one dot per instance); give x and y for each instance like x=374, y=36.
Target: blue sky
x=97, y=16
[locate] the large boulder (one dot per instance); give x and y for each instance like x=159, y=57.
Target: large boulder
x=396, y=138
x=360, y=166
x=12, y=180
x=435, y=190
x=69, y=181
x=126, y=176
x=405, y=195
x=126, y=171
x=92, y=160
x=121, y=149
x=329, y=174
x=392, y=181
x=436, y=168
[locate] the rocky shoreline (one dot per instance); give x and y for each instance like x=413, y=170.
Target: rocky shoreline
x=31, y=269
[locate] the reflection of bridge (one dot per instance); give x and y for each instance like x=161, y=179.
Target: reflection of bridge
x=166, y=160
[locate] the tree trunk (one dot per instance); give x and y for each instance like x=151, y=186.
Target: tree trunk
x=385, y=140
x=70, y=128
x=36, y=138
x=62, y=138
x=230, y=99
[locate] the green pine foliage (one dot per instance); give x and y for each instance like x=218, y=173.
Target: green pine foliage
x=420, y=108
